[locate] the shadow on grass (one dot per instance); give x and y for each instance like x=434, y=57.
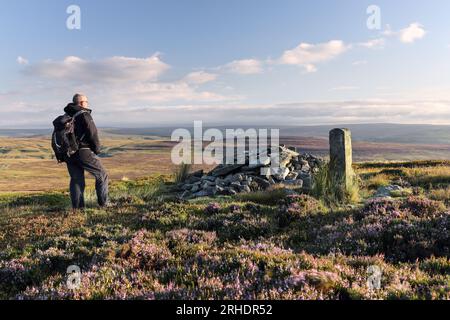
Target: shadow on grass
x=49, y=201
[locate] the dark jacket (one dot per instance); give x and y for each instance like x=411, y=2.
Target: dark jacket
x=85, y=129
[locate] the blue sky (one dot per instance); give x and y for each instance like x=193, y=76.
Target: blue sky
x=226, y=62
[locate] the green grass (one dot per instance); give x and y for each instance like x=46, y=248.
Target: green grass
x=379, y=180
x=331, y=188
x=182, y=172
x=441, y=194
x=271, y=196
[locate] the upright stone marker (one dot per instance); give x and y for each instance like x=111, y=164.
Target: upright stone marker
x=341, y=155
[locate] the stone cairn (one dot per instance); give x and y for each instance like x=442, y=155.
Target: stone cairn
x=295, y=169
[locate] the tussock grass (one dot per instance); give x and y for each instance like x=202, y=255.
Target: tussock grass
x=424, y=177
x=182, y=172
x=331, y=189
x=403, y=164
x=379, y=180
x=401, y=193
x=271, y=196
x=440, y=194
x=139, y=190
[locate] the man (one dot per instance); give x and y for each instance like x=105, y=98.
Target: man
x=86, y=157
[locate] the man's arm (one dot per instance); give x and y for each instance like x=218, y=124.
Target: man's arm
x=91, y=134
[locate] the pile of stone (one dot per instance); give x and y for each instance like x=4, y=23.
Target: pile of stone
x=294, y=169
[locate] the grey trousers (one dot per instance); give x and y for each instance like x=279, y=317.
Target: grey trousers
x=83, y=160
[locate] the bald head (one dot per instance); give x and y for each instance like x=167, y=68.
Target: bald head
x=80, y=100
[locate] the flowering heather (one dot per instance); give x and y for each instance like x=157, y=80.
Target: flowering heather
x=13, y=276
x=143, y=252
x=294, y=206
x=400, y=229
x=234, y=208
x=212, y=208
x=191, y=236
x=287, y=247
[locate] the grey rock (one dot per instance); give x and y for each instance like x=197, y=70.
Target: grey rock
x=292, y=175
x=205, y=185
x=261, y=182
x=197, y=174
x=221, y=191
x=201, y=193
x=209, y=178
x=303, y=162
x=295, y=169
x=185, y=194
x=235, y=184
x=211, y=191
x=192, y=179
x=282, y=174
x=225, y=170
x=237, y=177
x=306, y=168
x=385, y=192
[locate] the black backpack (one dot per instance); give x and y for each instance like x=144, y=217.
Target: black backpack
x=64, y=142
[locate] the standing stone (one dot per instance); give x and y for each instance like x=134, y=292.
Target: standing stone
x=341, y=155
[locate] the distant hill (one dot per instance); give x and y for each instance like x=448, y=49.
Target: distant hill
x=390, y=133
x=24, y=132
x=398, y=133
x=394, y=133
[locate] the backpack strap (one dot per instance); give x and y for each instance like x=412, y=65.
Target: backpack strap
x=76, y=115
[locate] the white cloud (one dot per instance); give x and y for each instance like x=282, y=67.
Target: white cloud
x=113, y=69
x=246, y=66
x=305, y=55
x=373, y=44
x=308, y=55
x=112, y=84
x=21, y=60
x=200, y=77
x=413, y=32
x=158, y=92
x=303, y=113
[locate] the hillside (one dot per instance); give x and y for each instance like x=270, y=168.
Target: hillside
x=273, y=245
x=26, y=163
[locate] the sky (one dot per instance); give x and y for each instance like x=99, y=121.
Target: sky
x=286, y=62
